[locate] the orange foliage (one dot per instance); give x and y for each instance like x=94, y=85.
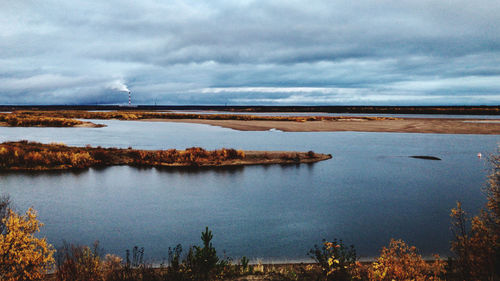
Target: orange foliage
x=26, y=120
x=476, y=249
x=402, y=262
x=22, y=255
x=24, y=155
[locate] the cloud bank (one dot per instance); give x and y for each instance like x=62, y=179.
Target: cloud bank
x=250, y=52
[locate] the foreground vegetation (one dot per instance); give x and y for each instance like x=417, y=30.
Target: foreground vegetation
x=24, y=155
x=66, y=118
x=476, y=249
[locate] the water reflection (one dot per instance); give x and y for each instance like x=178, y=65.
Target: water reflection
x=50, y=173
x=200, y=170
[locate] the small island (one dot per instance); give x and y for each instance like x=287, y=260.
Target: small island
x=21, y=119
x=34, y=156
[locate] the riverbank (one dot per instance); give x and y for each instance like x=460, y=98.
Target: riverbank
x=68, y=118
x=400, y=125
x=33, y=156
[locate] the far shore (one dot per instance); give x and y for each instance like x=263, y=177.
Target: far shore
x=400, y=125
x=243, y=122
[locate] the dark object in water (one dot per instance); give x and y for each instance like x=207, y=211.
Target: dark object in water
x=425, y=157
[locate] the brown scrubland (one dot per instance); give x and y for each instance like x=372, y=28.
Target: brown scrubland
x=24, y=155
x=27, y=120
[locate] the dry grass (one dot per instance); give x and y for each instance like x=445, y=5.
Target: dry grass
x=23, y=120
x=141, y=115
x=24, y=155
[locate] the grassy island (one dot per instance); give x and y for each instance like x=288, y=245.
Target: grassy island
x=24, y=155
x=28, y=120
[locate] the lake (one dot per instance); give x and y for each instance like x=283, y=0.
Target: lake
x=369, y=192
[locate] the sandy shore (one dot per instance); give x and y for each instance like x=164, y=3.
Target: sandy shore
x=87, y=124
x=405, y=125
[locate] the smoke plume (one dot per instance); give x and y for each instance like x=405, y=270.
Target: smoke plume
x=119, y=85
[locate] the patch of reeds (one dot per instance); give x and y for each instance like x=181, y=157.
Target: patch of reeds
x=24, y=155
x=27, y=120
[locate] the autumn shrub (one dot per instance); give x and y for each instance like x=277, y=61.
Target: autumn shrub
x=476, y=243
x=200, y=263
x=24, y=155
x=23, y=256
x=111, y=267
x=28, y=120
x=79, y=263
x=402, y=262
x=337, y=261
x=4, y=208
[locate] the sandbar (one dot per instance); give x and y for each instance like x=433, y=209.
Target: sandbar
x=402, y=125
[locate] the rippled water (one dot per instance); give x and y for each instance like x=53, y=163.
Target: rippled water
x=369, y=192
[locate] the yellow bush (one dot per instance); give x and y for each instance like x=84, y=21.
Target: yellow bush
x=22, y=255
x=402, y=262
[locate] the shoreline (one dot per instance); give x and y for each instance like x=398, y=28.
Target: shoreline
x=402, y=125
x=260, y=123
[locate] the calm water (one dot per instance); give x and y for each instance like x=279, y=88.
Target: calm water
x=369, y=192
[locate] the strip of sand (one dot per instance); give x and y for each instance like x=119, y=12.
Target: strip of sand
x=404, y=125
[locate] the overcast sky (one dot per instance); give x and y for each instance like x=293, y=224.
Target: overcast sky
x=250, y=52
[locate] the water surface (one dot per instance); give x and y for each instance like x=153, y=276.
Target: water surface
x=368, y=193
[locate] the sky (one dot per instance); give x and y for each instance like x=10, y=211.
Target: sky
x=220, y=52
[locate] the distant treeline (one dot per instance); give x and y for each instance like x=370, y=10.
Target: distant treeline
x=465, y=110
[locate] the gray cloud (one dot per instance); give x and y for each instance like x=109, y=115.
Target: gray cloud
x=181, y=52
